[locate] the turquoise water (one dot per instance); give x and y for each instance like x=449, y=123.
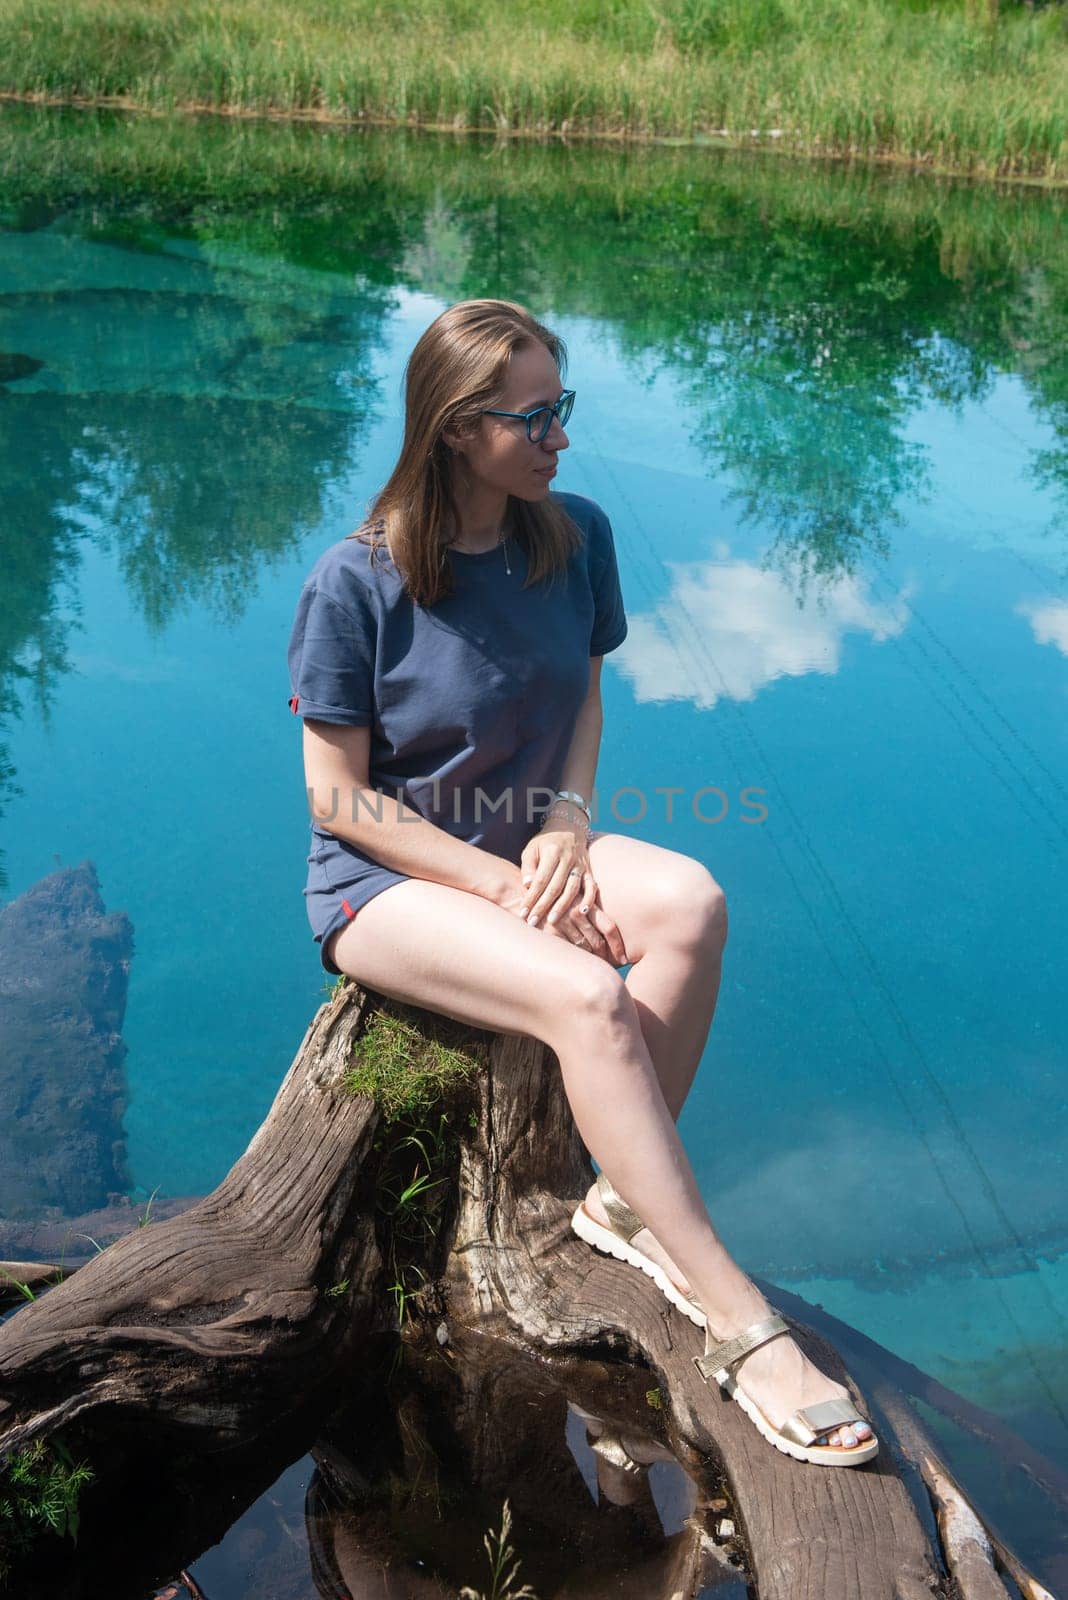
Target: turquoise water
x=826, y=415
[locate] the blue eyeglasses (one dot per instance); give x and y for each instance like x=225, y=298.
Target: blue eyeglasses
x=540, y=420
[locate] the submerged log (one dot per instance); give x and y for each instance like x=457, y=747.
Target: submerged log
x=23, y=1280
x=446, y=1194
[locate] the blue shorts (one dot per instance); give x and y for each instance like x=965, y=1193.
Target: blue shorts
x=338, y=885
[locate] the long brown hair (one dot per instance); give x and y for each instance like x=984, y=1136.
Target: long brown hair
x=455, y=372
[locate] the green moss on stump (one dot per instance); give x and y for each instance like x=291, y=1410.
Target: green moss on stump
x=409, y=1062
x=405, y=1070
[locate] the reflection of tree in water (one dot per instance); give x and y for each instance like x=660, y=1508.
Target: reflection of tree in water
x=808, y=316
x=805, y=411
x=1042, y=342
x=808, y=310
x=807, y=313
x=813, y=377
x=218, y=393
x=198, y=495
x=39, y=560
x=195, y=435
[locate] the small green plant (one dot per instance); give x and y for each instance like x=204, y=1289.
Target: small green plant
x=406, y=1208
x=336, y=1290
x=654, y=1398
x=410, y=1196
x=40, y=1486
x=502, y=1576
x=23, y=1288
x=402, y=1292
x=409, y=1200
x=143, y=1221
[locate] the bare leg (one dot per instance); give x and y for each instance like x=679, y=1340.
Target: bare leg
x=448, y=950
x=674, y=918
x=675, y=987
x=637, y=1143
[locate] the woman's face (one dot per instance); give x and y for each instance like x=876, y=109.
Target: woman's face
x=498, y=455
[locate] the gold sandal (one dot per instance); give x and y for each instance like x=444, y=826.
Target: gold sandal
x=615, y=1240
x=798, y=1434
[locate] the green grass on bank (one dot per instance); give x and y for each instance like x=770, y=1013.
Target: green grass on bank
x=954, y=85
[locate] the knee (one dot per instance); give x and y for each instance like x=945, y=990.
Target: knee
x=693, y=906
x=601, y=992
x=594, y=996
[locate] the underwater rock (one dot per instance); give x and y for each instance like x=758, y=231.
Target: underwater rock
x=64, y=966
x=13, y=366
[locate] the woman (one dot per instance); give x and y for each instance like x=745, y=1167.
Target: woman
x=446, y=660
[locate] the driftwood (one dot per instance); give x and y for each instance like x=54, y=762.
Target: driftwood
x=255, y=1311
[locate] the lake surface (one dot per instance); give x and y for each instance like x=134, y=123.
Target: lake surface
x=827, y=414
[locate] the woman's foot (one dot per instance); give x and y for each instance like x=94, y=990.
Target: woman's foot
x=645, y=1241
x=780, y=1379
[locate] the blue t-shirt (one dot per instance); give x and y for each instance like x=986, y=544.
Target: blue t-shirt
x=471, y=703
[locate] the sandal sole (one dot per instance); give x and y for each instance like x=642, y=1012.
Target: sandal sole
x=610, y=1244
x=818, y=1455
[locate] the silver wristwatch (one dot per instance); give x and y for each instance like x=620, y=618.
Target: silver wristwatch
x=575, y=799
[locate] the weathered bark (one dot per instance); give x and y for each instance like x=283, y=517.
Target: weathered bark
x=208, y=1322
x=218, y=1323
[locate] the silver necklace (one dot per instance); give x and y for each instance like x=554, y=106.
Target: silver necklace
x=502, y=540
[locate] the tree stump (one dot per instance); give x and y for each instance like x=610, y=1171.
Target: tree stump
x=445, y=1194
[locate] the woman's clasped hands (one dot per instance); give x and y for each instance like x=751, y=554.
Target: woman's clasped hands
x=560, y=893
